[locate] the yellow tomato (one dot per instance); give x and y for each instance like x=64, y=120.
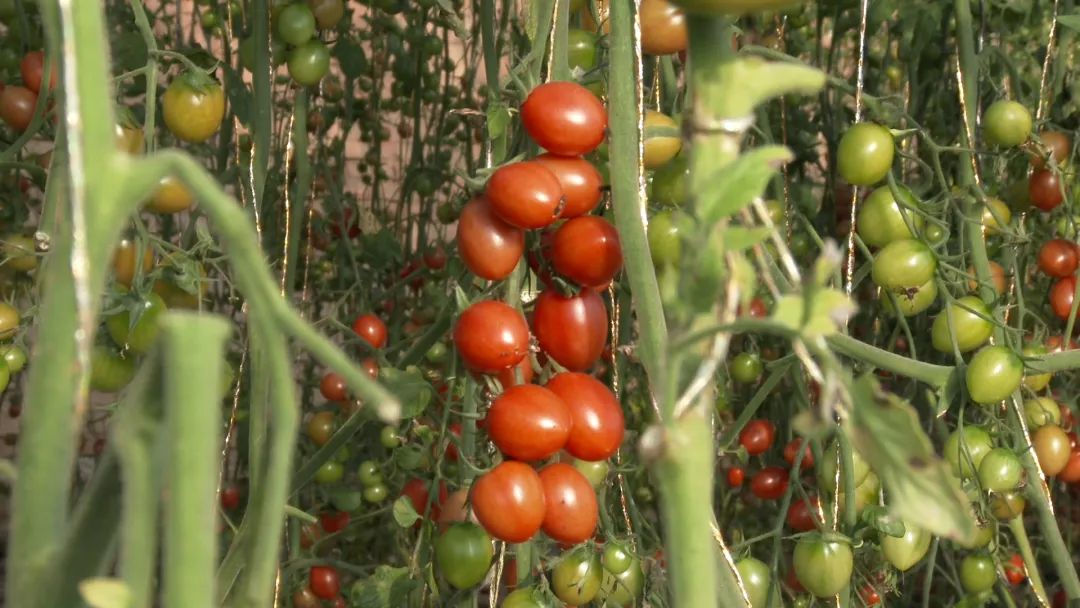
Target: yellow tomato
x=19, y=253
x=193, y=108
x=172, y=196
x=124, y=261
x=662, y=139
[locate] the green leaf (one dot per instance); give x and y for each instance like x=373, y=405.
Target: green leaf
x=498, y=118
x=105, y=593
x=920, y=487
x=878, y=518
x=830, y=310
x=351, y=57
x=408, y=458
x=1070, y=21
x=732, y=187
x=410, y=387
x=388, y=587
x=404, y=513
x=741, y=238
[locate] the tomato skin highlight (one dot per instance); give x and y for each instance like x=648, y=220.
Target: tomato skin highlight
x=571, y=511
x=580, y=182
x=564, y=118
x=525, y=194
x=598, y=424
x=490, y=247
x=571, y=330
x=509, y=501
x=491, y=336
x=528, y=422
x=587, y=251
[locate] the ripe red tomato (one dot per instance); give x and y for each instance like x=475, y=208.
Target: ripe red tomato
x=580, y=182
x=869, y=595
x=1061, y=297
x=339, y=602
x=332, y=386
x=32, y=67
x=335, y=521
x=509, y=501
x=757, y=436
x=1015, y=571
x=230, y=497
x=1045, y=189
x=736, y=476
x=571, y=511
x=324, y=582
x=371, y=329
x=598, y=419
x=1071, y=472
x=528, y=422
x=1058, y=146
x=490, y=247
x=17, y=107
x=435, y=259
x=564, y=118
x=801, y=515
x=792, y=450
x=770, y=483
x=1058, y=258
x=525, y=194
x=587, y=251
x=572, y=331
x=451, y=452
x=491, y=336
x=418, y=492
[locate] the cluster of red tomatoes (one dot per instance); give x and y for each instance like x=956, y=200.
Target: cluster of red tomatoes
x=17, y=103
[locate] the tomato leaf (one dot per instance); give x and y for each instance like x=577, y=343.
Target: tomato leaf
x=105, y=593
x=878, y=518
x=409, y=386
x=733, y=187
x=498, y=118
x=387, y=587
x=741, y=238
x=408, y=458
x=920, y=487
x=829, y=310
x=1070, y=21
x=351, y=57
x=404, y=513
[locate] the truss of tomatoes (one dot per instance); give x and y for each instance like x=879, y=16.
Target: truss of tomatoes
x=529, y=423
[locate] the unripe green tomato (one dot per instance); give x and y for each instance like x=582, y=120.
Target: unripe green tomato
x=142, y=336
x=14, y=356
x=1035, y=381
x=464, y=552
x=1000, y=470
x=965, y=450
x=389, y=437
x=904, y=264
x=616, y=558
x=977, y=573
x=1007, y=506
x=309, y=62
x=596, y=472
x=623, y=588
x=993, y=374
x=996, y=216
x=911, y=301
x=970, y=322
x=330, y=472
x=1041, y=411
x=983, y=535
x=934, y=234
x=296, y=23
x=865, y=154
x=346, y=499
x=756, y=578
x=827, y=471
x=368, y=473
x=745, y=368
x=669, y=182
x=523, y=598
x=906, y=551
x=376, y=493
x=881, y=218
x=580, y=49
x=823, y=567
x=576, y=579
x=665, y=239
x=1006, y=123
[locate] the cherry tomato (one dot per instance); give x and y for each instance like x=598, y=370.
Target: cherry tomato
x=965, y=449
x=125, y=262
x=171, y=196
x=993, y=374
x=736, y=476
x=580, y=49
x=14, y=356
x=746, y=368
x=525, y=194
x=1007, y=505
x=1045, y=189
x=580, y=182
x=662, y=139
x=109, y=371
x=193, y=108
x=229, y=497
x=571, y=330
x=1061, y=297
x=577, y=577
x=733, y=7
x=523, y=598
x=793, y=449
x=305, y=598
x=1052, y=448
x=970, y=322
x=1000, y=470
x=309, y=63
x=1058, y=258
x=977, y=573
x=295, y=23
x=865, y=154
x=334, y=521
x=464, y=553
x=329, y=473
x=1071, y=472
x=587, y=251
x=141, y=335
x=1034, y=381
x=490, y=247
x=802, y=514
x=997, y=277
x=564, y=118
x=333, y=388
x=823, y=567
x=508, y=376
x=320, y=427
x=598, y=425
x=371, y=329
x=328, y=13
x=756, y=579
x=770, y=483
x=665, y=238
x=1015, y=571
x=528, y=422
x=417, y=491
x=1041, y=411
x=1057, y=145
x=1006, y=123
x=509, y=501
x=324, y=582
x=905, y=551
x=860, y=470
x=17, y=107
x=881, y=218
x=904, y=264
x=491, y=336
x=757, y=436
x=663, y=27
x=571, y=511
x=32, y=68
x=623, y=588
x=869, y=595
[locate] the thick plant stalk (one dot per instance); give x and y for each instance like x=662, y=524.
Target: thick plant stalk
x=193, y=424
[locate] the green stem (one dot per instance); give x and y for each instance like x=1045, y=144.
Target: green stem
x=1016, y=525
